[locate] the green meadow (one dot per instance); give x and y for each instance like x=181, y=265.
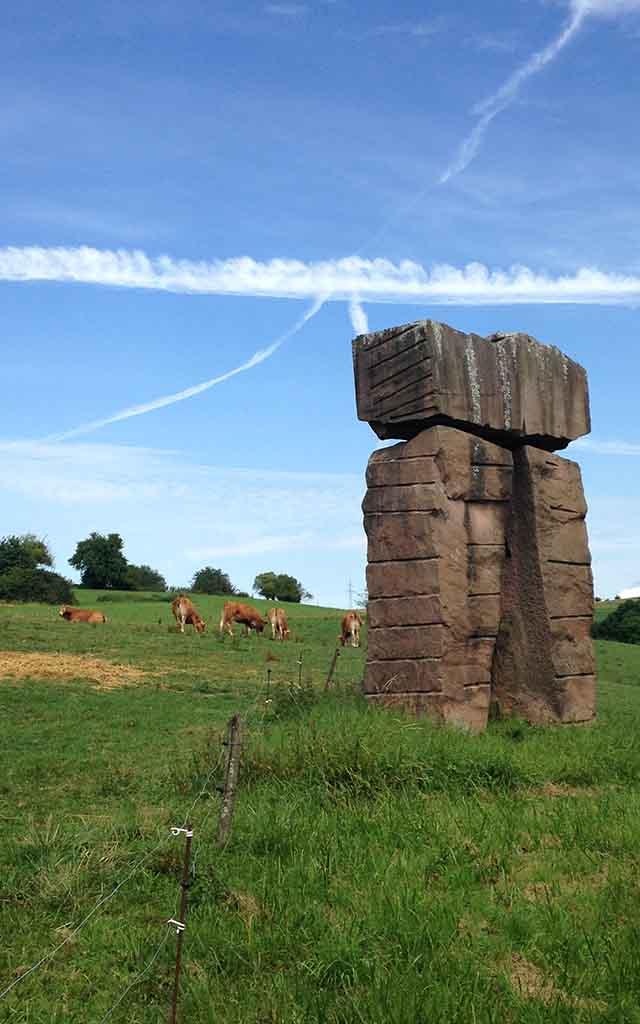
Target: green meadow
x=379, y=869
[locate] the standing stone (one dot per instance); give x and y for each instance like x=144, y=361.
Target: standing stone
x=544, y=668
x=435, y=515
x=479, y=577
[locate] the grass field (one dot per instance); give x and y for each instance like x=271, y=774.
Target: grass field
x=380, y=869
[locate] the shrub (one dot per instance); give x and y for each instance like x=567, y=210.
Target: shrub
x=623, y=624
x=20, y=584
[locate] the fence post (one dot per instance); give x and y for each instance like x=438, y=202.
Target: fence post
x=336, y=655
x=234, y=747
x=182, y=919
x=300, y=670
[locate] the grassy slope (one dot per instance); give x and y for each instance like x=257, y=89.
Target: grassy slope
x=380, y=870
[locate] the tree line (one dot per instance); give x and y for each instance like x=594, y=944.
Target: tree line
x=26, y=573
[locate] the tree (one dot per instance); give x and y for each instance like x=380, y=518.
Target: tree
x=623, y=624
x=22, y=584
x=22, y=573
x=143, y=577
x=280, y=587
x=212, y=581
x=24, y=552
x=100, y=562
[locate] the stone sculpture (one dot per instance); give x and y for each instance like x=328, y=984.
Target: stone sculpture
x=479, y=576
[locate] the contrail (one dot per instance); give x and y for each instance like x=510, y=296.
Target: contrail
x=359, y=320
x=159, y=403
x=493, y=105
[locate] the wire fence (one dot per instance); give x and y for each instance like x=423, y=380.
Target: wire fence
x=254, y=715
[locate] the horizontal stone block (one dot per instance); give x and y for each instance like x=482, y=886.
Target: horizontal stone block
x=484, y=614
x=403, y=676
x=490, y=483
x=471, y=710
x=410, y=498
x=566, y=541
x=404, y=611
x=397, y=642
x=400, y=535
x=397, y=472
x=577, y=699
x=568, y=589
x=403, y=578
x=486, y=523
x=484, y=568
x=418, y=704
x=572, y=647
x=506, y=387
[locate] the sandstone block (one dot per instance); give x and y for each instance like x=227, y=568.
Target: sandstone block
x=396, y=642
x=508, y=388
x=407, y=675
x=398, y=537
x=404, y=611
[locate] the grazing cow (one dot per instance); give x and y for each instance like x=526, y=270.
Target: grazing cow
x=350, y=632
x=242, y=613
x=81, y=614
x=186, y=615
x=279, y=625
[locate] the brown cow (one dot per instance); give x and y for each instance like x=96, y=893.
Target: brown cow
x=247, y=616
x=350, y=631
x=81, y=614
x=185, y=614
x=279, y=624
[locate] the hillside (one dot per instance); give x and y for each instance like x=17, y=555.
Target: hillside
x=379, y=869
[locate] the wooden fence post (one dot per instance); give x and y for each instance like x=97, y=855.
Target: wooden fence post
x=232, y=768
x=336, y=655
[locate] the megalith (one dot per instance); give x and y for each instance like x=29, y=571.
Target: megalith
x=478, y=575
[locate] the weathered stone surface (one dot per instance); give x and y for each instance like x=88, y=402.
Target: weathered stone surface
x=544, y=648
x=479, y=572
x=408, y=675
x=434, y=592
x=509, y=388
x=404, y=611
x=388, y=642
x=398, y=537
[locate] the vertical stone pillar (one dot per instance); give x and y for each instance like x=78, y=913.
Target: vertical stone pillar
x=544, y=667
x=435, y=516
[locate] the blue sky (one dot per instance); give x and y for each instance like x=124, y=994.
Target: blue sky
x=183, y=182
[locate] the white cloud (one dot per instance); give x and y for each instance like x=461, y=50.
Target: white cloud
x=359, y=320
x=630, y=592
x=378, y=280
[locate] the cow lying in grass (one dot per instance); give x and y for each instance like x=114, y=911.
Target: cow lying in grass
x=244, y=614
x=279, y=625
x=350, y=632
x=81, y=614
x=185, y=614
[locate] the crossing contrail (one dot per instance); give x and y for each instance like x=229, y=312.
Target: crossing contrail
x=197, y=389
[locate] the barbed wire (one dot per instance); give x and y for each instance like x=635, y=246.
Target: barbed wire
x=139, y=976
x=246, y=717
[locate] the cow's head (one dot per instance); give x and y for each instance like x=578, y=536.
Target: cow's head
x=258, y=625
x=200, y=625
x=64, y=611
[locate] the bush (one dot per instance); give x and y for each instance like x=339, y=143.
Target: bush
x=623, y=624
x=20, y=584
x=133, y=597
